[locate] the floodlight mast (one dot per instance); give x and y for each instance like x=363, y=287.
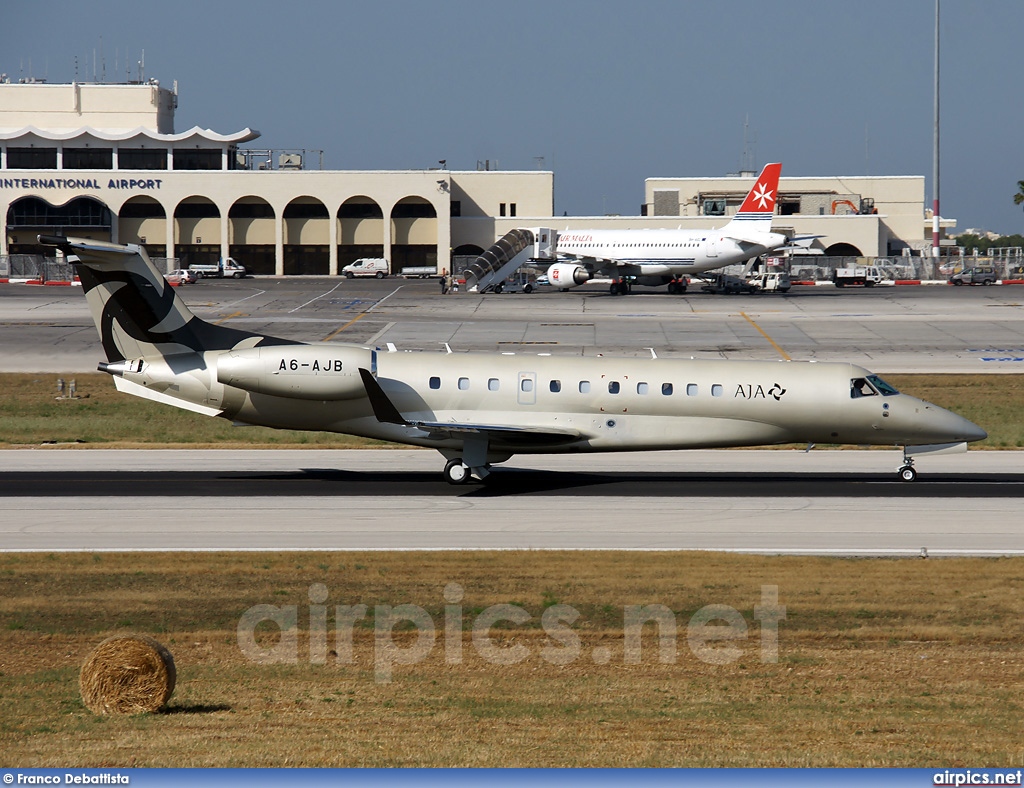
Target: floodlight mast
x=935, y=168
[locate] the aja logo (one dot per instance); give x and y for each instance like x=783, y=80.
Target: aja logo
x=757, y=391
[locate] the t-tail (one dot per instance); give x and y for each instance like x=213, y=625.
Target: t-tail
x=137, y=313
x=155, y=347
x=755, y=214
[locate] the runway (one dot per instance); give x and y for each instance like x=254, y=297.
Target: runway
x=829, y=503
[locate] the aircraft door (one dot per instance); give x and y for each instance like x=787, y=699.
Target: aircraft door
x=711, y=248
x=526, y=390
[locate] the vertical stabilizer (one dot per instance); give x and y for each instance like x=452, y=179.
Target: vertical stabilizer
x=755, y=214
x=137, y=312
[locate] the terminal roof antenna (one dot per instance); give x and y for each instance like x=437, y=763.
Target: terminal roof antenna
x=749, y=154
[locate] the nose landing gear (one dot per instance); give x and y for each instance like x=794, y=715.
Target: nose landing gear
x=907, y=471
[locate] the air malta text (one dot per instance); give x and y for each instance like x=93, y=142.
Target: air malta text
x=80, y=183
x=583, y=239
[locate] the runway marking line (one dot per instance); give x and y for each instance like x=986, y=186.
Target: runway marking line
x=763, y=333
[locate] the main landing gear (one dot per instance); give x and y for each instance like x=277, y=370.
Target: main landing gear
x=620, y=287
x=455, y=472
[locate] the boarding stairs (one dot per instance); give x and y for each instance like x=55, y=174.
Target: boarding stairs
x=507, y=256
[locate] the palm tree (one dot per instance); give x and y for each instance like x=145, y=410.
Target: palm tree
x=1018, y=198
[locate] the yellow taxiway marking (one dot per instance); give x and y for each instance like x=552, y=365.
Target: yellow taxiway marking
x=228, y=317
x=771, y=341
x=361, y=315
x=337, y=331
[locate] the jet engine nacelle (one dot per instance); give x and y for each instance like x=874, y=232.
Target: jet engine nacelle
x=568, y=275
x=310, y=372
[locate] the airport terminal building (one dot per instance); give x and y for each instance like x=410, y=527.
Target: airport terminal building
x=102, y=160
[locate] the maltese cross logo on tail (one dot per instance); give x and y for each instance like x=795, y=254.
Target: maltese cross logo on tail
x=763, y=196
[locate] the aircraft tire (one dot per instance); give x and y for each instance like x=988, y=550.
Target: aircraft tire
x=907, y=473
x=455, y=472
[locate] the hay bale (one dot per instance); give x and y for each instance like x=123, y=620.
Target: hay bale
x=127, y=674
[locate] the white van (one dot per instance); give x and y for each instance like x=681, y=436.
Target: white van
x=367, y=266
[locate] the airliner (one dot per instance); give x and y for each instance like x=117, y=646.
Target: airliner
x=479, y=409
x=660, y=257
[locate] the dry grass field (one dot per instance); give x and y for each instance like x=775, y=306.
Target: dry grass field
x=879, y=662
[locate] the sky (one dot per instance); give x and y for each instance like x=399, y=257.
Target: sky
x=607, y=93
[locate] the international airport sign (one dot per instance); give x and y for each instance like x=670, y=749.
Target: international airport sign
x=113, y=184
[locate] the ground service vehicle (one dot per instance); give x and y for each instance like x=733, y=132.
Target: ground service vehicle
x=367, y=266
x=514, y=284
x=725, y=284
x=771, y=282
x=419, y=271
x=857, y=276
x=223, y=267
x=979, y=275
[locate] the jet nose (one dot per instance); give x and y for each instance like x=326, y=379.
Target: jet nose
x=951, y=427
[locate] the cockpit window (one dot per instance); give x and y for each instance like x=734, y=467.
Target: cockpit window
x=881, y=386
x=859, y=387
x=871, y=386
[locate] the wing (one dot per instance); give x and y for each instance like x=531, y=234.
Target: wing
x=386, y=412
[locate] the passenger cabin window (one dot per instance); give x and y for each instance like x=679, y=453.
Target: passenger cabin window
x=691, y=390
x=435, y=382
x=526, y=384
x=555, y=386
x=666, y=389
x=463, y=384
x=613, y=387
x=584, y=387
x=492, y=384
x=716, y=390
x=641, y=388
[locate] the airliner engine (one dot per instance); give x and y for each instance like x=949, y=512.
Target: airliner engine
x=568, y=275
x=313, y=372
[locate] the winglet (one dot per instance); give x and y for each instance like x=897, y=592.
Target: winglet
x=383, y=408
